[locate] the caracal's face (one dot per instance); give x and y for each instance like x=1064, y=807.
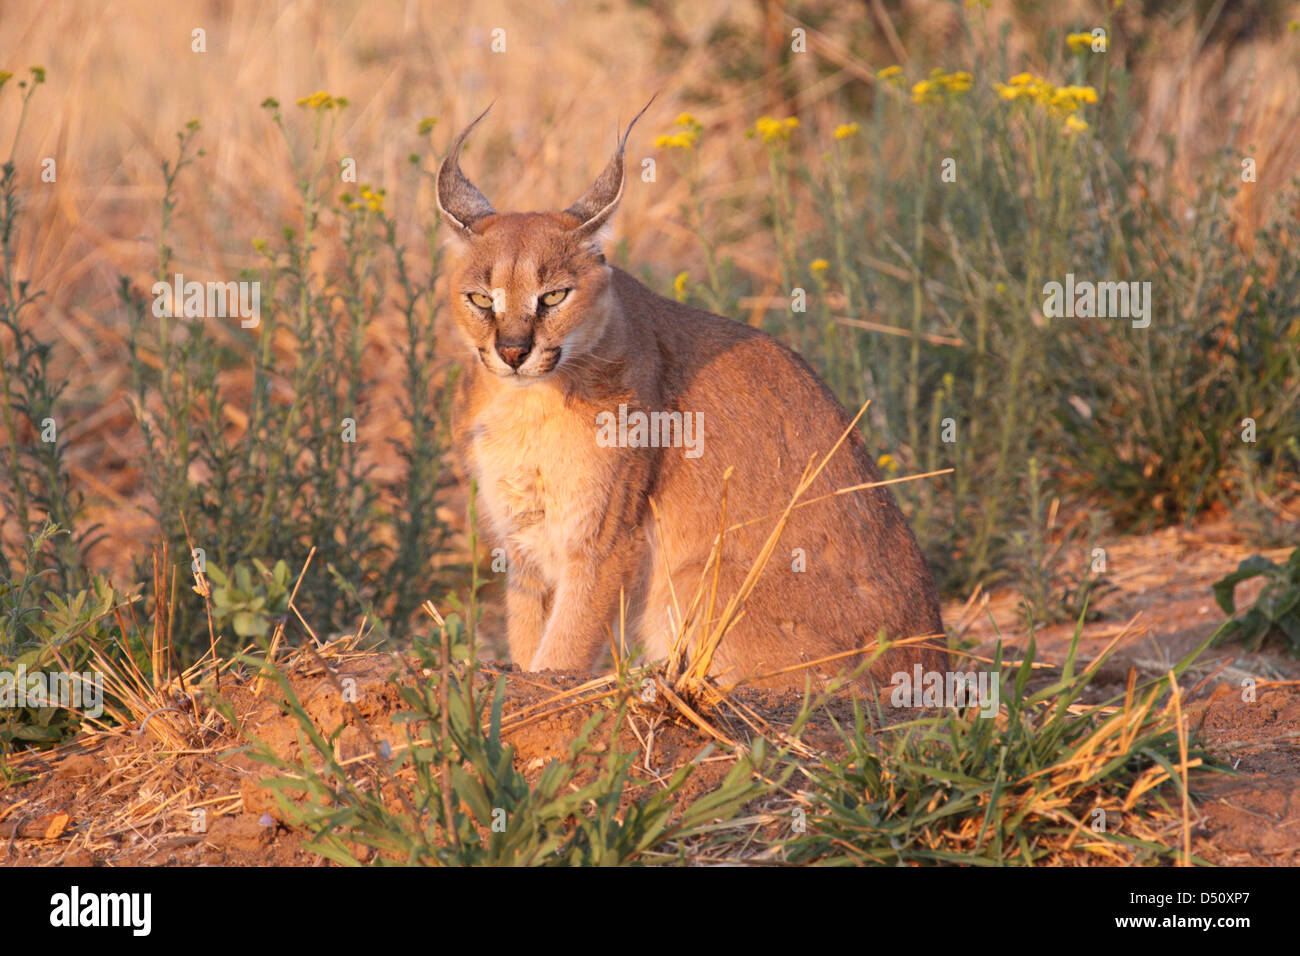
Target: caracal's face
x=528, y=294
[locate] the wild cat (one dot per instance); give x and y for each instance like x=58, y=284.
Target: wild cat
x=562, y=352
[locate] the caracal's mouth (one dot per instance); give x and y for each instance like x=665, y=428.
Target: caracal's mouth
x=524, y=375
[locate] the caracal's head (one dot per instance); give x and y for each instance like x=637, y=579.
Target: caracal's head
x=530, y=291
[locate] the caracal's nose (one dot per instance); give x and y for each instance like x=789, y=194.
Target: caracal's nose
x=514, y=351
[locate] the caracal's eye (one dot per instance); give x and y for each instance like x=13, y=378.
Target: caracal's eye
x=555, y=298
x=481, y=300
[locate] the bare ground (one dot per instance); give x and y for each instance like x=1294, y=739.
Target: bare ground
x=1163, y=609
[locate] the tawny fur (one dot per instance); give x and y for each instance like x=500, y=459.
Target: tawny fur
x=575, y=518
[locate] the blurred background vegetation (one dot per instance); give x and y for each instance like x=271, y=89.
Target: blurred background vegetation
x=796, y=146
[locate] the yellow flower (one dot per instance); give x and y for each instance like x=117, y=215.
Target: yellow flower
x=1293, y=26
x=940, y=82
x=892, y=76
x=925, y=92
x=959, y=82
x=687, y=135
x=320, y=100
x=1063, y=100
x=887, y=463
x=1027, y=86
x=818, y=266
x=5, y=77
x=1074, y=125
x=261, y=246
x=38, y=75
x=372, y=199
x=1067, y=99
x=771, y=130
x=1079, y=42
x=679, y=286
x=683, y=140
x=845, y=130
x=426, y=125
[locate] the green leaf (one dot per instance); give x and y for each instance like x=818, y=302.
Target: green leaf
x=1247, y=569
x=250, y=625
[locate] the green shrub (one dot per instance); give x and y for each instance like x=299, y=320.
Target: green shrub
x=1275, y=614
x=252, y=606
x=34, y=486
x=922, y=234
x=294, y=478
x=1059, y=575
x=43, y=633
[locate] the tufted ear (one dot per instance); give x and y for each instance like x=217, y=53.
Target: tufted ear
x=459, y=200
x=601, y=199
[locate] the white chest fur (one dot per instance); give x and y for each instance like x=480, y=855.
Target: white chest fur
x=540, y=475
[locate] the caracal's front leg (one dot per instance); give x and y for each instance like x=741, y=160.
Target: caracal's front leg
x=525, y=610
x=584, y=605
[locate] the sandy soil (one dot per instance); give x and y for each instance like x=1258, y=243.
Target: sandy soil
x=1162, y=609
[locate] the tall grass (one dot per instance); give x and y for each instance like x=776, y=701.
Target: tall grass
x=36, y=491
x=912, y=247
x=295, y=474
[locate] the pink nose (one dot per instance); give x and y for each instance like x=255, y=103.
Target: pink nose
x=513, y=353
